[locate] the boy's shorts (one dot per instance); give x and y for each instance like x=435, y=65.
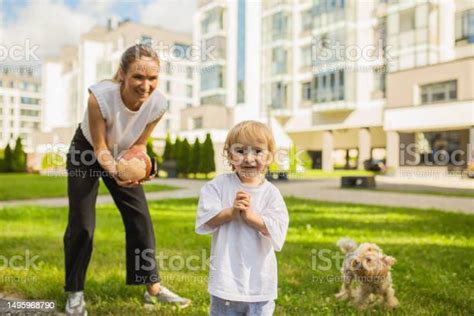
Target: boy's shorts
x=221, y=307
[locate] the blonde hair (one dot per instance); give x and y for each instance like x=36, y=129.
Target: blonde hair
x=250, y=130
x=132, y=54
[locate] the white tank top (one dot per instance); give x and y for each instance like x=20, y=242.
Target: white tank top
x=123, y=126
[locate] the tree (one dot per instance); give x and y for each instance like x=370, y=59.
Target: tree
x=18, y=157
x=195, y=157
x=177, y=153
x=149, y=148
x=207, y=163
x=8, y=160
x=184, y=153
x=168, y=152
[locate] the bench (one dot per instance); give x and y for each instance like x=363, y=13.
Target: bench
x=358, y=182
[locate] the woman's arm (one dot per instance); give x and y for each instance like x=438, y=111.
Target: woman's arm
x=97, y=130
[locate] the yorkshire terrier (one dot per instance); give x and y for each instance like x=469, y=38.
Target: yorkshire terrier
x=367, y=265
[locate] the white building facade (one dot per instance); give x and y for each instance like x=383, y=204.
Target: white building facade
x=21, y=106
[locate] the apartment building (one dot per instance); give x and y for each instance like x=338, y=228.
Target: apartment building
x=344, y=78
x=229, y=81
x=429, y=118
x=21, y=112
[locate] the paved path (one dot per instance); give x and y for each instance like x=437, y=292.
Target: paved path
x=323, y=190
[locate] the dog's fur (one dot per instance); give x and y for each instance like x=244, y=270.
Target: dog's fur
x=367, y=265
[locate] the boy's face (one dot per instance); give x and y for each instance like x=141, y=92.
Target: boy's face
x=249, y=159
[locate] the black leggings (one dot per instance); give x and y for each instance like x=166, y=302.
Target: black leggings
x=83, y=184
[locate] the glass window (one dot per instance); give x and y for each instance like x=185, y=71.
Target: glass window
x=464, y=26
x=280, y=26
x=197, y=122
x=439, y=92
x=278, y=95
x=189, y=91
x=146, y=40
x=212, y=78
x=306, y=20
x=306, y=58
x=407, y=20
x=189, y=72
x=279, y=57
x=306, y=91
x=180, y=51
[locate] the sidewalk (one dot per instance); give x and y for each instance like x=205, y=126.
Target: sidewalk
x=323, y=190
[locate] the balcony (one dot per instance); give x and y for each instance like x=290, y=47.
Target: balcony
x=334, y=106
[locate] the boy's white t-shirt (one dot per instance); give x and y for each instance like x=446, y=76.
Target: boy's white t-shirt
x=243, y=265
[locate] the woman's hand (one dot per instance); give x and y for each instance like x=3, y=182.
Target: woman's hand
x=146, y=179
x=125, y=183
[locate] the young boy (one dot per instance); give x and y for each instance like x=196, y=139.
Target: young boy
x=248, y=219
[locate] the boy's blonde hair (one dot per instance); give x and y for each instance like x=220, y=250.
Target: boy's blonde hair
x=249, y=130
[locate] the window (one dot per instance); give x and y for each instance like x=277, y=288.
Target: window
x=306, y=58
x=407, y=20
x=279, y=95
x=169, y=68
x=306, y=20
x=279, y=57
x=241, y=52
x=180, y=51
x=439, y=92
x=213, y=21
x=189, y=91
x=328, y=87
x=197, y=122
x=168, y=86
x=189, y=72
x=212, y=78
x=306, y=91
x=25, y=100
x=379, y=79
x=279, y=26
x=146, y=40
x=464, y=27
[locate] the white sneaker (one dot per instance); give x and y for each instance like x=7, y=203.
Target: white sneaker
x=165, y=296
x=75, y=305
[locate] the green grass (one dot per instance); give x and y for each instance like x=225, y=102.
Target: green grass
x=320, y=174
x=17, y=186
x=434, y=274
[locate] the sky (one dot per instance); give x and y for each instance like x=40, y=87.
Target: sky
x=51, y=24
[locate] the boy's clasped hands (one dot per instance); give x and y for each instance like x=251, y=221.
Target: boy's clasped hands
x=242, y=207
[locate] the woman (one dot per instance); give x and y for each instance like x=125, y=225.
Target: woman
x=121, y=114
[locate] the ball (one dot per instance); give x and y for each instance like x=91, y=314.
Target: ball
x=133, y=165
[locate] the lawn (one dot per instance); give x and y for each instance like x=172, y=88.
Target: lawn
x=12, y=186
x=311, y=174
x=434, y=273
